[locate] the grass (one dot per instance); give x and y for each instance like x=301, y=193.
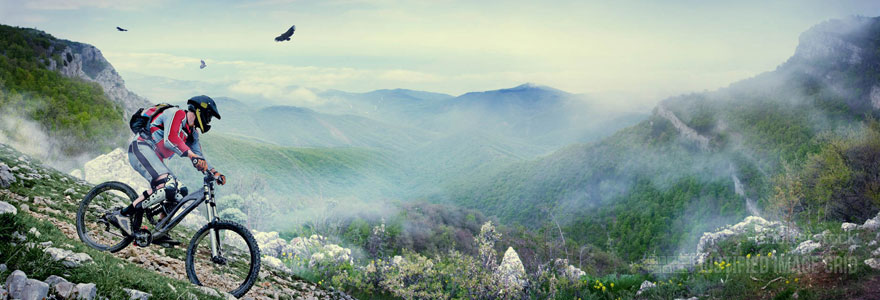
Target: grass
x=110, y=274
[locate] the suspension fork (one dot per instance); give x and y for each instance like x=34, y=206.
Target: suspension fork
x=212, y=217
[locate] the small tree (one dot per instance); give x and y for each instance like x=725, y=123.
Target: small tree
x=486, y=245
x=789, y=193
x=233, y=214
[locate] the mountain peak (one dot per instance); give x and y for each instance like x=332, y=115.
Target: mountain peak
x=838, y=42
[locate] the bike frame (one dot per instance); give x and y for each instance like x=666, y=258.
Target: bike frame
x=206, y=195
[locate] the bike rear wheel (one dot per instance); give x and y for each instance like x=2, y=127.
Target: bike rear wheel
x=92, y=225
x=237, y=265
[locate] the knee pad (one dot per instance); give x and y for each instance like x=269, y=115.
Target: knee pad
x=170, y=192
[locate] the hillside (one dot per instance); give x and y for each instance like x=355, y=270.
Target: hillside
x=45, y=202
x=62, y=93
x=680, y=166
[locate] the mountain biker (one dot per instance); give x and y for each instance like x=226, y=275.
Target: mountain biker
x=172, y=131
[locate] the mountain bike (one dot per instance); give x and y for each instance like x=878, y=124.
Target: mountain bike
x=228, y=259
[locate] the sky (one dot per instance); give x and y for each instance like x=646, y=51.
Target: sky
x=633, y=51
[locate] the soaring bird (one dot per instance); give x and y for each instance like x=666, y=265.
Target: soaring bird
x=203, y=65
x=121, y=29
x=286, y=35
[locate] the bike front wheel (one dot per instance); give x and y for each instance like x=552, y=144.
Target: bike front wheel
x=232, y=267
x=92, y=224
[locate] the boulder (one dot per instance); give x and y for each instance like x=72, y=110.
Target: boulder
x=78, y=174
x=114, y=166
x=137, y=295
x=65, y=290
x=208, y=291
x=53, y=280
x=15, y=283
x=18, y=236
x=35, y=232
x=847, y=227
x=304, y=246
x=871, y=224
x=806, y=247
x=874, y=263
x=86, y=291
x=67, y=257
x=511, y=273
x=271, y=244
x=6, y=208
x=35, y=290
x=761, y=230
x=6, y=176
x=568, y=271
x=646, y=285
x=274, y=263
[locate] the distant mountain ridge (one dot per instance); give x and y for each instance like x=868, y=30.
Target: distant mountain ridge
x=694, y=163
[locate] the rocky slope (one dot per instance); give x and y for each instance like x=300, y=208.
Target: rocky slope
x=48, y=199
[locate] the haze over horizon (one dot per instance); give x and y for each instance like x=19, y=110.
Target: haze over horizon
x=640, y=52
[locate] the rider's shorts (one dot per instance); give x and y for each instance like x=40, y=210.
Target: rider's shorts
x=144, y=160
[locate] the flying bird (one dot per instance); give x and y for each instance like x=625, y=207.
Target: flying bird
x=203, y=65
x=121, y=29
x=286, y=35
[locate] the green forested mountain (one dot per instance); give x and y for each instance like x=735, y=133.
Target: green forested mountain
x=651, y=187
x=72, y=111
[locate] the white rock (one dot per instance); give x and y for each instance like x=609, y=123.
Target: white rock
x=137, y=295
x=34, y=231
x=6, y=176
x=871, y=224
x=209, y=291
x=86, y=291
x=876, y=252
x=274, y=263
x=15, y=283
x=65, y=290
x=70, y=259
x=764, y=232
x=78, y=174
x=271, y=244
x=806, y=247
x=114, y=166
x=848, y=226
x=873, y=263
x=52, y=280
x=35, y=290
x=6, y=208
x=646, y=285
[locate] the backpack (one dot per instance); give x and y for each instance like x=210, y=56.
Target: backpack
x=141, y=119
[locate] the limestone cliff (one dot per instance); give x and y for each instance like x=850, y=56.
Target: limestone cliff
x=86, y=62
